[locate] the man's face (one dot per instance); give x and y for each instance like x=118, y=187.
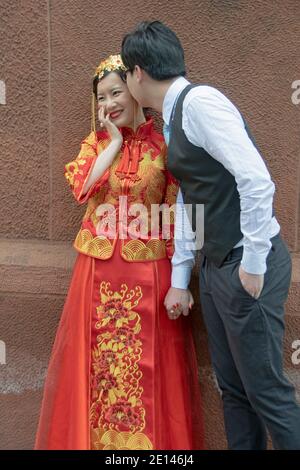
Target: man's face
x=135, y=87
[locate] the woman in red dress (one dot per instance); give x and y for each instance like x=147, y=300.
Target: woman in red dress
x=122, y=374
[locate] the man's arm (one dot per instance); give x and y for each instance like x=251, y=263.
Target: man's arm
x=211, y=121
x=183, y=261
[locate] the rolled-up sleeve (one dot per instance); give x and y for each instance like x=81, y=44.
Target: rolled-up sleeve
x=183, y=259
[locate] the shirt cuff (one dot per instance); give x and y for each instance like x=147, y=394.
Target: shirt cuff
x=181, y=277
x=254, y=263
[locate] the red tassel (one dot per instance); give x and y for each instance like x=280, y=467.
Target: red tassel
x=135, y=158
x=130, y=159
x=123, y=166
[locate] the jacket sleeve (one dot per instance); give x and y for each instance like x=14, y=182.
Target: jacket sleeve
x=77, y=172
x=170, y=196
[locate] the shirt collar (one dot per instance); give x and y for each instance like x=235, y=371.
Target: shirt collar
x=174, y=90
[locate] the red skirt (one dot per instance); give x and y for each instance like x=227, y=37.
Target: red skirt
x=122, y=375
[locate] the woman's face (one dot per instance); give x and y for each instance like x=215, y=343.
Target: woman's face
x=113, y=94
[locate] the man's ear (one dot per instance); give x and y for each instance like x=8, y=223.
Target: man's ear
x=139, y=73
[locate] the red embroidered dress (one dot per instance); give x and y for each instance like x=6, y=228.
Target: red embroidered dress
x=121, y=374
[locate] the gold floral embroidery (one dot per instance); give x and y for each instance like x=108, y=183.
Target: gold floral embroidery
x=170, y=198
x=113, y=440
x=71, y=170
x=133, y=250
x=99, y=246
x=136, y=250
x=117, y=414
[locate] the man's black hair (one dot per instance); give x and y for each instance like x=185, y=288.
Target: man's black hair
x=156, y=49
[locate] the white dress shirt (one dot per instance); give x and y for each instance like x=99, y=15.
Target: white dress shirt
x=211, y=121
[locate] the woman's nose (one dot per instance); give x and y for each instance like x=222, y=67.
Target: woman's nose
x=110, y=105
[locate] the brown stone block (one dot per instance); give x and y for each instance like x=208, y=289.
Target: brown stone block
x=212, y=409
x=35, y=266
x=34, y=281
x=24, y=130
x=19, y=418
x=30, y=325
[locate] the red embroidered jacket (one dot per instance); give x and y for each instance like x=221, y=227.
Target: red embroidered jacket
x=138, y=172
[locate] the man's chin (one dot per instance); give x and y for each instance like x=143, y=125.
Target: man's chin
x=139, y=101
x=142, y=103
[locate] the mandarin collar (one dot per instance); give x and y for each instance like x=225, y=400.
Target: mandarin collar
x=143, y=131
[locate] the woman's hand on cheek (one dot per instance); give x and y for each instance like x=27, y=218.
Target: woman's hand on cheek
x=111, y=128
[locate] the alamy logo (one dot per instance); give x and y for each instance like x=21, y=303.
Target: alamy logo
x=296, y=355
x=2, y=352
x=139, y=221
x=2, y=92
x=296, y=94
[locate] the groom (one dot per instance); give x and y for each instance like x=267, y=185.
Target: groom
x=246, y=267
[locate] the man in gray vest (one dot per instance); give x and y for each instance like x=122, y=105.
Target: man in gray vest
x=246, y=267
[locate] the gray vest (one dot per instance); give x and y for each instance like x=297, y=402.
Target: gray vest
x=203, y=180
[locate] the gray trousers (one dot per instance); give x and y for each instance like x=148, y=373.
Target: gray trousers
x=246, y=346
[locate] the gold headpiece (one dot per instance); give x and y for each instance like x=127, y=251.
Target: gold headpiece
x=111, y=64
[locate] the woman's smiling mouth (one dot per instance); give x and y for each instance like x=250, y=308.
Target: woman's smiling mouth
x=115, y=114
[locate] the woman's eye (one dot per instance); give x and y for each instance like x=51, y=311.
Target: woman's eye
x=116, y=93
x=100, y=99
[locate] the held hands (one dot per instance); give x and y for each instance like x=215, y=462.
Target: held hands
x=111, y=128
x=177, y=302
x=252, y=283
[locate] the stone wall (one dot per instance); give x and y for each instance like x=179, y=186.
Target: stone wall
x=48, y=52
